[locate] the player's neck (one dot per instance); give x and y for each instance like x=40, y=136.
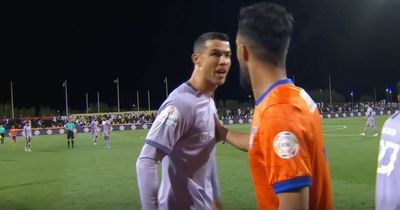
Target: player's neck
x=263, y=76
x=201, y=85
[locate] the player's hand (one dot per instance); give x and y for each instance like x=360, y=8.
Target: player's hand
x=220, y=130
x=217, y=205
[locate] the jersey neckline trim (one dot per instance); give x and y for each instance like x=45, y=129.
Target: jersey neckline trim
x=274, y=85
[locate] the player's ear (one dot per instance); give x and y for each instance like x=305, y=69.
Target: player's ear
x=196, y=58
x=242, y=50
x=245, y=53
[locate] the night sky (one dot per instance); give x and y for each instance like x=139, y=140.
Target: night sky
x=91, y=43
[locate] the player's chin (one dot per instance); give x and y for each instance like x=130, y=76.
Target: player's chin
x=219, y=81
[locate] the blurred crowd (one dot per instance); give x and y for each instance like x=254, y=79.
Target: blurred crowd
x=355, y=107
x=140, y=118
x=80, y=120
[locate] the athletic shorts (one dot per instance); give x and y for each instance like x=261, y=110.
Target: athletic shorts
x=70, y=135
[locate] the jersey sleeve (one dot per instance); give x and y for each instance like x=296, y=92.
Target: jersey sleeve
x=172, y=122
x=285, y=151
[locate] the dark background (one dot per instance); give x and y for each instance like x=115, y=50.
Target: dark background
x=91, y=43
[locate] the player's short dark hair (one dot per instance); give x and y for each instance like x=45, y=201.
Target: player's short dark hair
x=267, y=28
x=199, y=43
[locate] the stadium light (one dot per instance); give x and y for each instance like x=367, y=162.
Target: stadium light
x=12, y=100
x=387, y=94
x=117, y=82
x=352, y=99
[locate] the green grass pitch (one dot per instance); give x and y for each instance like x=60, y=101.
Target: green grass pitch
x=88, y=177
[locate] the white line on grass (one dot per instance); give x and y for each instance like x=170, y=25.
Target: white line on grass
x=336, y=128
x=341, y=127
x=348, y=135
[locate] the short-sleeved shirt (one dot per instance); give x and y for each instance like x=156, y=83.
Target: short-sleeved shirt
x=27, y=131
x=388, y=173
x=93, y=127
x=2, y=130
x=184, y=131
x=370, y=112
x=13, y=132
x=70, y=126
x=286, y=147
x=106, y=127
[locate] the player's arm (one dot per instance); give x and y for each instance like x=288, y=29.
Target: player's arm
x=164, y=133
x=286, y=156
x=146, y=170
x=236, y=139
x=294, y=200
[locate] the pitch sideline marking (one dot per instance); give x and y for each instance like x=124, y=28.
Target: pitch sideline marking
x=341, y=127
x=336, y=128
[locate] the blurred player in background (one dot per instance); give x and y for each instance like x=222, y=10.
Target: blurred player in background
x=388, y=173
x=370, y=122
x=106, y=133
x=69, y=128
x=27, y=133
x=183, y=136
x=13, y=134
x=93, y=131
x=2, y=133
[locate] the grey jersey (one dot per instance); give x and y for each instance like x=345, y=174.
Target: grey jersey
x=184, y=131
x=93, y=127
x=106, y=127
x=370, y=117
x=388, y=173
x=27, y=131
x=370, y=112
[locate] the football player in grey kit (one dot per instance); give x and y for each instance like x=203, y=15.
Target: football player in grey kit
x=93, y=130
x=106, y=133
x=182, y=136
x=388, y=173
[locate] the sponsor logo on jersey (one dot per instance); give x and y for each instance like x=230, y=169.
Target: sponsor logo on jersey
x=206, y=136
x=169, y=116
x=286, y=145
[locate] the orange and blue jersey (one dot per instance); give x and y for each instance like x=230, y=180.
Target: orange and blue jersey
x=13, y=132
x=286, y=147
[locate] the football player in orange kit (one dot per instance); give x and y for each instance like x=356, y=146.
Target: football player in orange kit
x=286, y=151
x=13, y=134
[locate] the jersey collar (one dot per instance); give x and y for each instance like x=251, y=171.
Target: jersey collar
x=274, y=85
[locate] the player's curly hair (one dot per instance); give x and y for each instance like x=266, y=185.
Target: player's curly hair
x=266, y=28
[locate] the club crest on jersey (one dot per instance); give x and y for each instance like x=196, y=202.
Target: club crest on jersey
x=286, y=145
x=169, y=116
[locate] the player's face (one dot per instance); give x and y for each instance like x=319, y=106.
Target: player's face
x=215, y=61
x=244, y=70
